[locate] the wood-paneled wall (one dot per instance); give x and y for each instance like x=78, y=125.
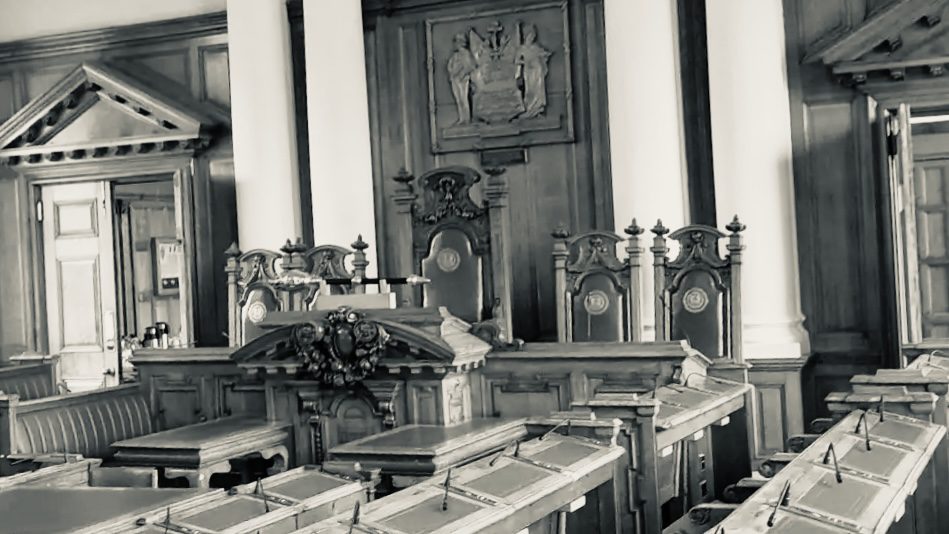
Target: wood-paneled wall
x=838, y=205
x=187, y=55
x=560, y=183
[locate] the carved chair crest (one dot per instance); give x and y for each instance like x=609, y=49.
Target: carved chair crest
x=262, y=281
x=595, y=288
x=446, y=202
x=698, y=294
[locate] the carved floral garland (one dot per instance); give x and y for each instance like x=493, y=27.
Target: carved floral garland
x=341, y=349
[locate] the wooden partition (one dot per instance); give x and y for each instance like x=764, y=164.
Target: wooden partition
x=549, y=377
x=192, y=385
x=82, y=423
x=32, y=381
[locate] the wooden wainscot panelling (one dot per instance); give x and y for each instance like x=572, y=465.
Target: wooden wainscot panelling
x=837, y=203
x=520, y=396
x=780, y=402
x=186, y=386
x=424, y=118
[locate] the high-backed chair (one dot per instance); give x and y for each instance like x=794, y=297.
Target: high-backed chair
x=260, y=282
x=698, y=294
x=461, y=245
x=596, y=291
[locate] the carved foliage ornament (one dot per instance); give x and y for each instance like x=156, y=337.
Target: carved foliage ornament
x=448, y=195
x=340, y=350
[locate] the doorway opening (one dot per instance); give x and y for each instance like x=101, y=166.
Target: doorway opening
x=918, y=198
x=113, y=266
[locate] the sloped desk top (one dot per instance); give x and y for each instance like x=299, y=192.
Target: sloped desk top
x=37, y=510
x=281, y=502
x=424, y=450
x=874, y=483
x=683, y=409
x=505, y=497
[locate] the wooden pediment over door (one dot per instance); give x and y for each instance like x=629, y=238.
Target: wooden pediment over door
x=98, y=113
x=904, y=41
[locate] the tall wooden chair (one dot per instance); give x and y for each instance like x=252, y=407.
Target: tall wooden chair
x=260, y=282
x=461, y=245
x=698, y=294
x=596, y=291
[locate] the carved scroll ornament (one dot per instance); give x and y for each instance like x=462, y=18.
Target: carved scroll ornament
x=342, y=349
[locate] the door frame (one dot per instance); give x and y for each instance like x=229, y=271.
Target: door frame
x=891, y=98
x=179, y=168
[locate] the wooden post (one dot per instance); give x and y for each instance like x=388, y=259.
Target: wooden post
x=403, y=259
x=659, y=250
x=8, y=409
x=499, y=218
x=359, y=265
x=648, y=473
x=293, y=260
x=633, y=302
x=561, y=254
x=233, y=269
x=734, y=248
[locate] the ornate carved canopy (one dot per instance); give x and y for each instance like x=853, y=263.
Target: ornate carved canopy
x=98, y=112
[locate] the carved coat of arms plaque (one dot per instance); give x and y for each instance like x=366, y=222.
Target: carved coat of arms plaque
x=500, y=79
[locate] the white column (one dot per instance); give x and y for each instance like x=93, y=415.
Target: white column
x=262, y=122
x=751, y=142
x=338, y=119
x=646, y=142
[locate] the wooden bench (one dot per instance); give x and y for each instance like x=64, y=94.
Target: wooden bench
x=84, y=423
x=32, y=381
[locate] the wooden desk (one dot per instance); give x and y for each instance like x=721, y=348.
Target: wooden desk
x=548, y=477
x=35, y=510
x=870, y=490
x=282, y=503
x=412, y=451
x=195, y=452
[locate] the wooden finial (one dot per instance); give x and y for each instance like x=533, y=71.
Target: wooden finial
x=359, y=244
x=403, y=177
x=633, y=229
x=561, y=232
x=735, y=226
x=291, y=247
x=233, y=250
x=659, y=229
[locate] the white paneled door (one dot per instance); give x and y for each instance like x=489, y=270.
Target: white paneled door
x=80, y=282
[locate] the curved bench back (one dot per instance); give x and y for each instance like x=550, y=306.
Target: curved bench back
x=84, y=423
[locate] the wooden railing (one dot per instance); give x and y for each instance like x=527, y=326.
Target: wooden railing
x=84, y=423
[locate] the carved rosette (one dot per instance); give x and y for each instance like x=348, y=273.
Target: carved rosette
x=342, y=349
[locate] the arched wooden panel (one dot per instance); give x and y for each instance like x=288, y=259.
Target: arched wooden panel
x=598, y=313
x=697, y=313
x=455, y=273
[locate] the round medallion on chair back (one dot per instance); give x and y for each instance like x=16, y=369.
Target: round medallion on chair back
x=448, y=259
x=596, y=302
x=695, y=300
